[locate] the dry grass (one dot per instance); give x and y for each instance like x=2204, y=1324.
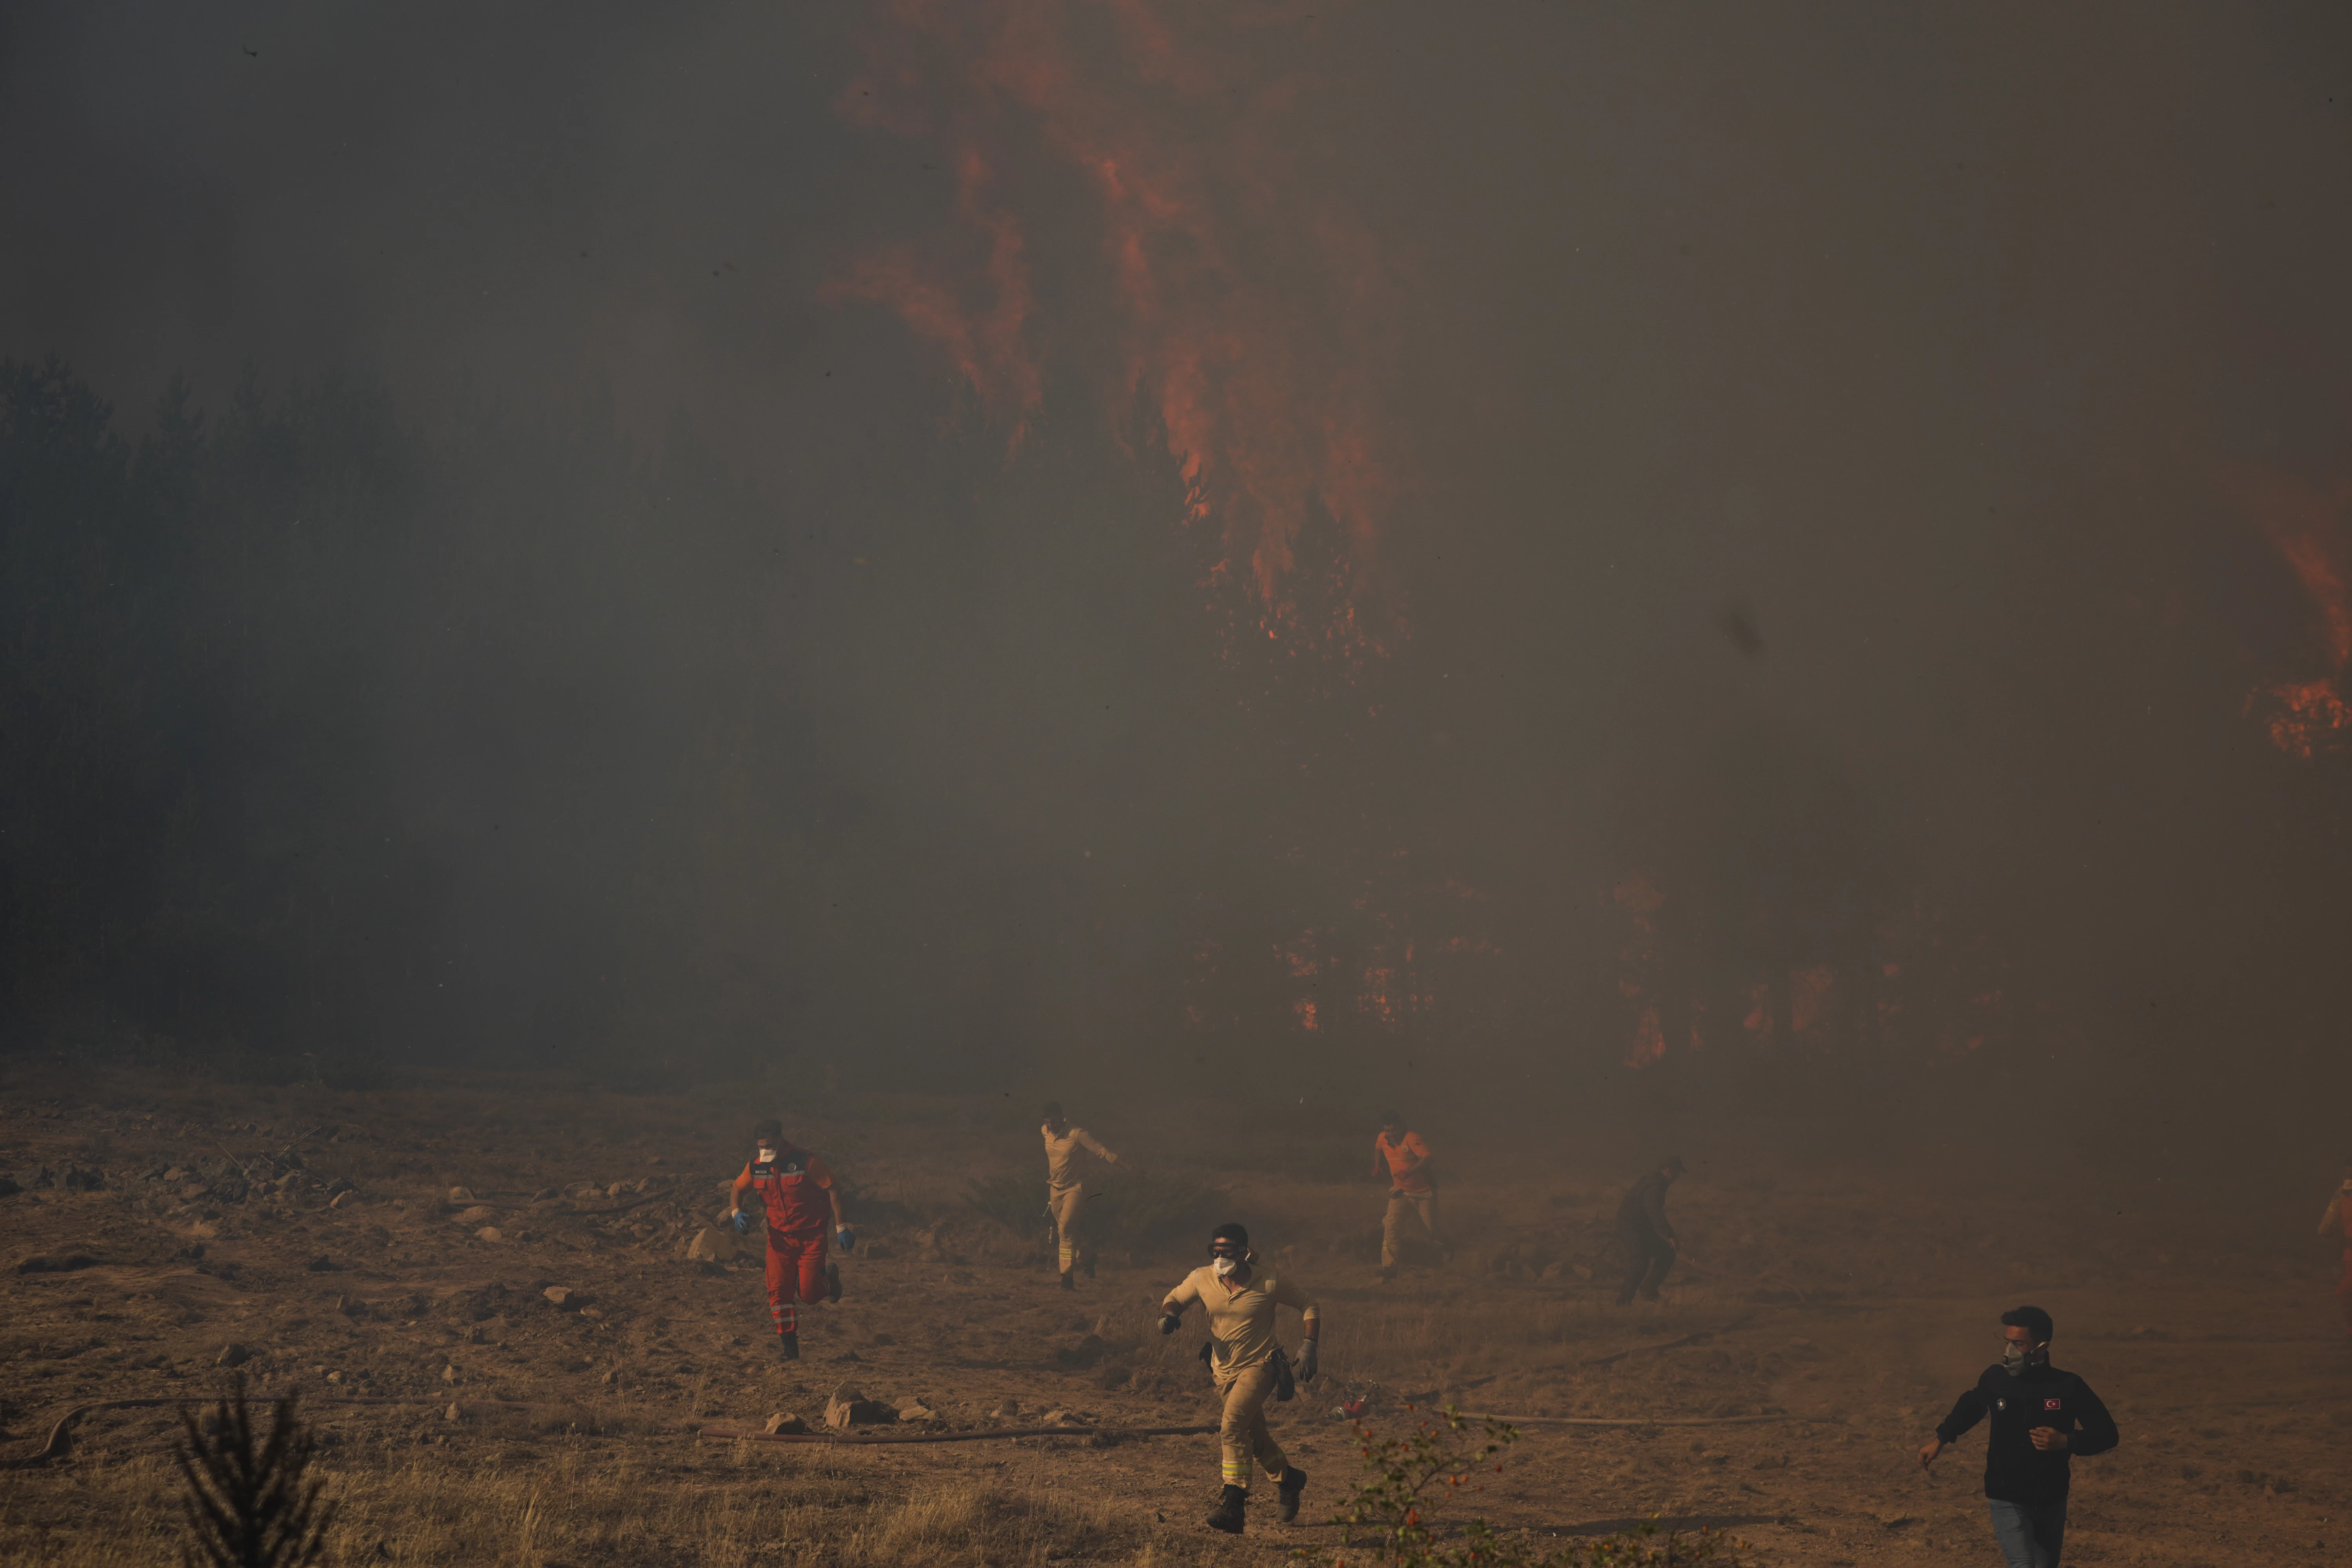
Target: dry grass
x=724, y=1507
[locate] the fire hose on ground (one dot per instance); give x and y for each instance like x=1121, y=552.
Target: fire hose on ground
x=60, y=1436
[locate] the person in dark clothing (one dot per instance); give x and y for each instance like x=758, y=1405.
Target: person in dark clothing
x=1642, y=1232
x=2041, y=1418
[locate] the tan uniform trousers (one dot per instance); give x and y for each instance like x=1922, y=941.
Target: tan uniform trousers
x=1069, y=1208
x=1243, y=1432
x=1420, y=1206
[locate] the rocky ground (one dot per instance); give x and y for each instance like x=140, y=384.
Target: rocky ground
x=490, y=1297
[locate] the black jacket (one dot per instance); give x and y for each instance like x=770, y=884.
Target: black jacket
x=1644, y=1212
x=2015, y=1470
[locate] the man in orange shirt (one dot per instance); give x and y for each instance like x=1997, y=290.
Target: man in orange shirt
x=796, y=1195
x=2334, y=1223
x=1401, y=1156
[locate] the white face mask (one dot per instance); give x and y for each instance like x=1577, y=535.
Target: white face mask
x=767, y=1156
x=1224, y=1266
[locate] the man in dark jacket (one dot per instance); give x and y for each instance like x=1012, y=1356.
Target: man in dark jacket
x=2041, y=1418
x=1643, y=1233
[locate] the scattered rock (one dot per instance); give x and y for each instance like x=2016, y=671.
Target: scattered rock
x=233, y=1354
x=1008, y=1411
x=848, y=1408
x=206, y=1230
x=1899, y=1520
x=713, y=1246
x=783, y=1421
x=449, y=1374
x=340, y=1185
x=322, y=1264
x=915, y=1410
x=344, y=1198
x=178, y=1174
x=561, y=1295
x=490, y=1233
x=334, y=1377
x=613, y=1191
x=453, y=1412
x=461, y=1195
x=479, y=1214
x=1057, y=1417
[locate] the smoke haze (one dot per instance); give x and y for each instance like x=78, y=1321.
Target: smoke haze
x=1493, y=545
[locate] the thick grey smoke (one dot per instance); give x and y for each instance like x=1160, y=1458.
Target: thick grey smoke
x=1814, y=450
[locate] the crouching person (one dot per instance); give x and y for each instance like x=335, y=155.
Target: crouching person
x=1247, y=1362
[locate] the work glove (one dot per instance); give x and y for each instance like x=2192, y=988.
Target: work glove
x=1307, y=1361
x=1168, y=1322
x=847, y=1237
x=742, y=1222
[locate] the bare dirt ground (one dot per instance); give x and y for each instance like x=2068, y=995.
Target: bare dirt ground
x=183, y=1227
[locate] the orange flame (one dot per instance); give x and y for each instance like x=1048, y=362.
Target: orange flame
x=1247, y=311
x=2307, y=718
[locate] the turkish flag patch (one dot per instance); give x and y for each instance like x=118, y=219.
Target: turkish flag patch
x=2050, y=1405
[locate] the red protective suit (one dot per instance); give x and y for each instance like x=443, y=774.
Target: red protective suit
x=795, y=1192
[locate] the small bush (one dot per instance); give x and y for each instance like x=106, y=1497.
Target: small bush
x=1147, y=1211
x=249, y=1501
x=1014, y=1201
x=1386, y=1517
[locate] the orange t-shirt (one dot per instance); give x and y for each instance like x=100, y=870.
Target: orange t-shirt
x=1405, y=1162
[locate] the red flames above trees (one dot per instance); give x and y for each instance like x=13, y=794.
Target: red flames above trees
x=1147, y=161
x=2307, y=718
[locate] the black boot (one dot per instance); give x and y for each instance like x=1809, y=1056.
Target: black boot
x=788, y=1345
x=1285, y=1493
x=832, y=1281
x=1228, y=1517
x=1068, y=1282
x=1088, y=1266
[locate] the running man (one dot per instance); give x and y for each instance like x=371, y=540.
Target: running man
x=1401, y=1156
x=1246, y=1362
x=1066, y=1148
x=789, y=1181
x=2041, y=1418
x=1645, y=1235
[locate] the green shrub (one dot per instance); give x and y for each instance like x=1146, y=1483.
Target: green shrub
x=1386, y=1517
x=1012, y=1200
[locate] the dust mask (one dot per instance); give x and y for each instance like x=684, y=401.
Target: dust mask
x=767, y=1156
x=1224, y=1266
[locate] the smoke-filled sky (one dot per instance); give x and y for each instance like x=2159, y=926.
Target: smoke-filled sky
x=1207, y=475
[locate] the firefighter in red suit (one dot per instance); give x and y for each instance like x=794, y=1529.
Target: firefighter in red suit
x=798, y=1197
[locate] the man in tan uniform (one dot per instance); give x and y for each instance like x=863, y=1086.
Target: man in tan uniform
x=1246, y=1360
x=1067, y=1152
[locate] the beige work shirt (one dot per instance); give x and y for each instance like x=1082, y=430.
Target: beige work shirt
x=1241, y=1319
x=1065, y=1162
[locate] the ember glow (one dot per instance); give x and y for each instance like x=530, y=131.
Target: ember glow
x=1232, y=314
x=2306, y=718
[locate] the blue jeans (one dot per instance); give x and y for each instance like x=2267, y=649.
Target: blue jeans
x=2030, y=1533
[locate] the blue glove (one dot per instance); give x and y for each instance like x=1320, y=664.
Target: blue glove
x=847, y=1237
x=742, y=1222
